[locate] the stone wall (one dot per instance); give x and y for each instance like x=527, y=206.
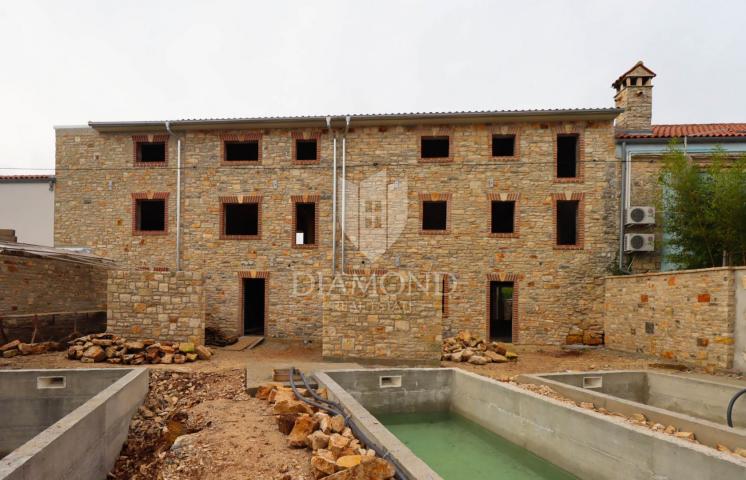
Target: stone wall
x=31, y=285
x=389, y=318
x=157, y=305
x=561, y=290
x=56, y=297
x=688, y=316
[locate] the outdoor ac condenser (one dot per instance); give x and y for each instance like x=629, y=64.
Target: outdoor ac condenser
x=640, y=216
x=639, y=242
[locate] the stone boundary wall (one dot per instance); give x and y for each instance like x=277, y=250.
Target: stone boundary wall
x=157, y=305
x=55, y=296
x=690, y=316
x=367, y=318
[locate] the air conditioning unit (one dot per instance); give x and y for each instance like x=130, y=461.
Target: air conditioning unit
x=640, y=216
x=639, y=242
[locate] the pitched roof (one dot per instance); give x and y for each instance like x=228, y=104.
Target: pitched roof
x=638, y=70
x=690, y=130
x=75, y=255
x=376, y=119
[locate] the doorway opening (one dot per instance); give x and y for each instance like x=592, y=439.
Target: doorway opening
x=501, y=311
x=253, y=305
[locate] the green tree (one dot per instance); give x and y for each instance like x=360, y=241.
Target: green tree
x=704, y=209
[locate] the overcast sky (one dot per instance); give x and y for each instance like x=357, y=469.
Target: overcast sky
x=68, y=62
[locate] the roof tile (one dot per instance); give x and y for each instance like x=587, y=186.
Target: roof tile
x=690, y=130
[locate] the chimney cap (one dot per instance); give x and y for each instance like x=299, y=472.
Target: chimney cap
x=638, y=70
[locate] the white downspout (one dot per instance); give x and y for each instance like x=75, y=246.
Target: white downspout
x=344, y=190
x=178, y=196
x=334, y=196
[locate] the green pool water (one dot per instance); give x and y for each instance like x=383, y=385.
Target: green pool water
x=458, y=449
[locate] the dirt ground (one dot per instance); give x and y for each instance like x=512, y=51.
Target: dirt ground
x=198, y=421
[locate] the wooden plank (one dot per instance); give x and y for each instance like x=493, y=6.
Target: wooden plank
x=245, y=343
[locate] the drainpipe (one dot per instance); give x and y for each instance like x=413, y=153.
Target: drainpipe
x=622, y=205
x=344, y=190
x=178, y=196
x=334, y=195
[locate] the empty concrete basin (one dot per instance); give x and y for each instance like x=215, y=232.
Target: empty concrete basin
x=66, y=423
x=692, y=403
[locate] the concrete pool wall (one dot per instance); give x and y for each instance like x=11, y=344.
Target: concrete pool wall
x=582, y=442
x=66, y=423
x=691, y=403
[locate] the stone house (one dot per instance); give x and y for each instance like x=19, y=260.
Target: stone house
x=517, y=216
x=516, y=207
x=640, y=148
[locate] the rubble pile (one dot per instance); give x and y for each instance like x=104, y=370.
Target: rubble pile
x=465, y=347
x=100, y=347
x=337, y=454
x=163, y=418
x=638, y=419
x=17, y=347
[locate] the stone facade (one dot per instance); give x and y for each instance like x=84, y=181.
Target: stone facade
x=384, y=318
x=156, y=305
x=41, y=285
x=560, y=289
x=689, y=316
x=61, y=297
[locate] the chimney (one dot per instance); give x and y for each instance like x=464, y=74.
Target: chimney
x=634, y=93
x=7, y=235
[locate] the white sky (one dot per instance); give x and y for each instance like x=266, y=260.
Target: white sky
x=68, y=62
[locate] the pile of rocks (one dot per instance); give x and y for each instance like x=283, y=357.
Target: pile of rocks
x=100, y=347
x=465, y=347
x=337, y=454
x=17, y=347
x=638, y=419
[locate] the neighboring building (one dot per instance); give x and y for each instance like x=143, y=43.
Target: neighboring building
x=641, y=146
x=27, y=206
x=519, y=206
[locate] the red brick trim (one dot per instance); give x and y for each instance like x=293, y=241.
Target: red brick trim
x=511, y=131
x=139, y=139
x=252, y=274
x=365, y=271
x=445, y=293
x=436, y=197
x=504, y=277
x=305, y=135
x=580, y=172
x=504, y=197
x=580, y=197
x=240, y=199
x=150, y=196
x=435, y=133
x=240, y=137
x=315, y=199
x=145, y=268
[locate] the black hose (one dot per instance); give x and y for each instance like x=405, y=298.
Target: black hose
x=337, y=409
x=729, y=415
x=307, y=400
